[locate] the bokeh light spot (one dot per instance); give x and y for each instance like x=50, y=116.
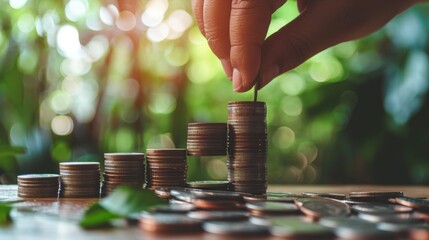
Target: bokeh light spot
x=216, y=169
x=292, y=84
x=17, y=4
x=292, y=106
x=62, y=125
x=60, y=102
x=26, y=23
x=76, y=9
x=158, y=33
x=283, y=137
x=162, y=103
x=68, y=41
x=154, y=13
x=126, y=21
x=125, y=140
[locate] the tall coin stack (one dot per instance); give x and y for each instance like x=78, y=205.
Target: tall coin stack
x=207, y=139
x=166, y=168
x=123, y=169
x=247, y=147
x=80, y=179
x=38, y=185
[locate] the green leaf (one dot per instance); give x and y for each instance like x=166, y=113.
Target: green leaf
x=97, y=216
x=5, y=214
x=123, y=202
x=11, y=150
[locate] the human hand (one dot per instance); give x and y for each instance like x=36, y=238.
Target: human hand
x=236, y=31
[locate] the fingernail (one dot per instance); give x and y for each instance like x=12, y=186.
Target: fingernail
x=270, y=73
x=226, y=64
x=236, y=80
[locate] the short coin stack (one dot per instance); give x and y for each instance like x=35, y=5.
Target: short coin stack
x=38, y=185
x=247, y=147
x=123, y=169
x=166, y=168
x=80, y=179
x=207, y=139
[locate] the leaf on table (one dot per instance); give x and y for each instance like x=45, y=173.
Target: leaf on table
x=11, y=150
x=122, y=202
x=97, y=216
x=5, y=214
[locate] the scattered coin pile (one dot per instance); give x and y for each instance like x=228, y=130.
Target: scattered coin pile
x=38, y=185
x=166, y=168
x=247, y=147
x=207, y=139
x=361, y=215
x=80, y=179
x=122, y=169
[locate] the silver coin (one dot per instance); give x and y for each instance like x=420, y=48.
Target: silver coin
x=235, y=228
x=293, y=227
x=381, y=208
x=272, y=207
x=173, y=208
x=363, y=233
x=398, y=227
x=342, y=221
x=325, y=207
x=338, y=196
x=398, y=218
x=216, y=194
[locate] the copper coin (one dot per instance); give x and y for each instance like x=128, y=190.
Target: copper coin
x=161, y=223
x=123, y=156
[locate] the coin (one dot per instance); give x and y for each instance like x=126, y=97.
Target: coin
x=363, y=233
x=419, y=233
x=381, y=208
x=123, y=169
x=325, y=207
x=295, y=228
x=163, y=223
x=80, y=179
x=235, y=228
x=215, y=204
x=173, y=208
x=413, y=202
x=374, y=195
x=398, y=217
x=247, y=145
x=216, y=194
x=273, y=208
x=38, y=185
x=207, y=139
x=218, y=215
x=210, y=185
x=344, y=221
x=338, y=196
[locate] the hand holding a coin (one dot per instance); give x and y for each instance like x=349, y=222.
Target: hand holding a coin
x=236, y=32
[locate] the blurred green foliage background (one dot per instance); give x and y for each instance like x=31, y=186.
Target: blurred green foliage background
x=79, y=78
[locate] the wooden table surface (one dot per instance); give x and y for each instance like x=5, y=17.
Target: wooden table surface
x=58, y=218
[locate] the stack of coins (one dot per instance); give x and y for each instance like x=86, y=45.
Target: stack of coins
x=247, y=147
x=38, y=185
x=80, y=179
x=123, y=169
x=166, y=168
x=207, y=139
